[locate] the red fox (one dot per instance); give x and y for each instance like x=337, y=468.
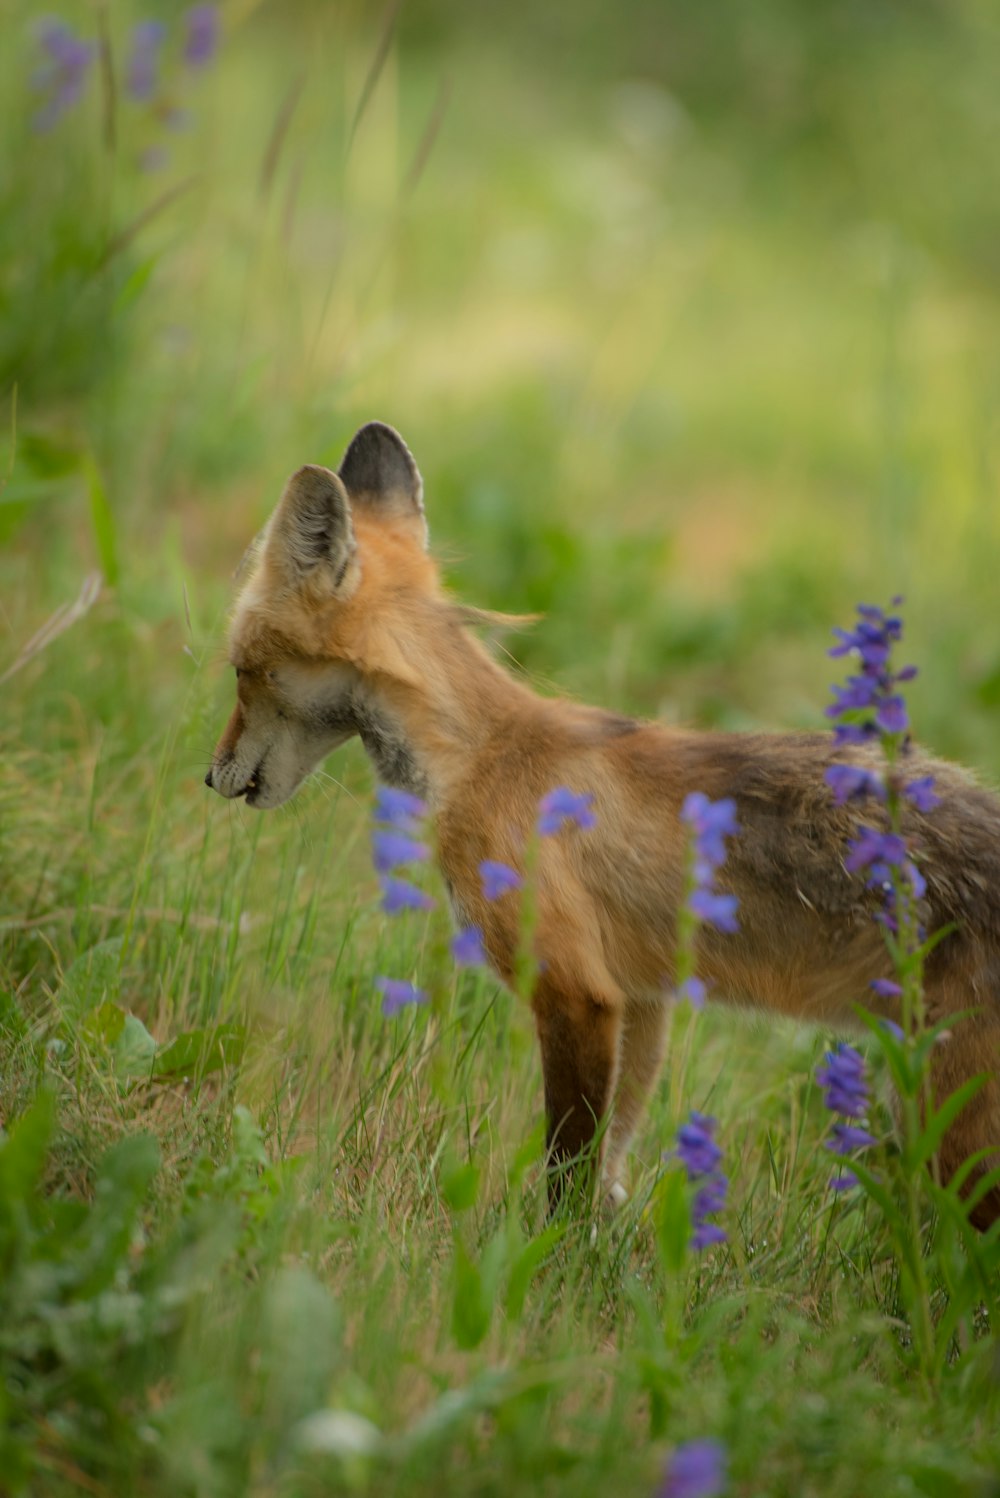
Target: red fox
x=343, y=628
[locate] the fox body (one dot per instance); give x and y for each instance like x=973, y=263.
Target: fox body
x=342, y=628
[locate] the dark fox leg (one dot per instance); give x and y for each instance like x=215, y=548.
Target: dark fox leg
x=970, y=1049
x=579, y=1040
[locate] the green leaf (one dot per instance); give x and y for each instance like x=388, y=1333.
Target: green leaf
x=460, y=1186
x=103, y=1026
x=673, y=1220
x=23, y=1153
x=471, y=1308
x=526, y=1265
x=918, y=1151
x=94, y=977
x=134, y=1051
x=198, y=1052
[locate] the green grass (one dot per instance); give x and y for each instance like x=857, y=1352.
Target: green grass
x=691, y=324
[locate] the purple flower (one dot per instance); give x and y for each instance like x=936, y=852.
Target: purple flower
x=715, y=910
x=498, y=878
x=694, y=990
x=873, y=847
x=894, y=1030
x=397, y=994
x=390, y=849
x=886, y=988
x=891, y=715
x=848, y=1137
x=202, y=37
x=860, y=692
x=853, y=733
x=700, y=1155
x=868, y=702
x=846, y=1092
x=710, y=822
x=844, y=1082
x=143, y=63
x=921, y=793
x=845, y=1181
x=563, y=805
x=398, y=895
x=696, y=1469
x=853, y=783
x=696, y=1147
x=63, y=73
x=467, y=948
x=399, y=809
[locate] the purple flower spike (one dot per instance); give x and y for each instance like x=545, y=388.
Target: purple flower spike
x=921, y=793
x=397, y=994
x=892, y=716
x=711, y=822
x=873, y=847
x=845, y=1085
x=698, y=1152
x=853, y=783
x=399, y=809
x=64, y=72
x=696, y=1147
x=397, y=895
x=498, y=879
x=467, y=948
x=202, y=38
x=390, y=849
x=715, y=910
x=696, y=1469
x=844, y=1081
x=563, y=806
x=143, y=64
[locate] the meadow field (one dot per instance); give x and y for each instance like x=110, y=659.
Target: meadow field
x=691, y=318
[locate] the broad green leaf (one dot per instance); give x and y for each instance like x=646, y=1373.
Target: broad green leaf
x=673, y=1220
x=134, y=1051
x=526, y=1265
x=471, y=1308
x=198, y=1052
x=460, y=1186
x=94, y=977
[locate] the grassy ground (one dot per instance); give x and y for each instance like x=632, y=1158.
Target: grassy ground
x=692, y=326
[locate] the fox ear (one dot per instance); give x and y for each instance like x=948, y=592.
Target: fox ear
x=378, y=470
x=312, y=529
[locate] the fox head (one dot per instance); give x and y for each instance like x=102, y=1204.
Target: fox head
x=325, y=625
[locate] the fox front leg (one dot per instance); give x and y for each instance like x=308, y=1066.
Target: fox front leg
x=580, y=1038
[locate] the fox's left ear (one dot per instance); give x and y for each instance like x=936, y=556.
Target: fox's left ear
x=378, y=471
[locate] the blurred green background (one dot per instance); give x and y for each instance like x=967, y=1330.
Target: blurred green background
x=689, y=315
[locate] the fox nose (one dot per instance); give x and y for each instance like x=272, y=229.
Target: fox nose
x=208, y=779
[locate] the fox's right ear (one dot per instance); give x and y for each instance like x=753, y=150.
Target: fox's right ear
x=311, y=534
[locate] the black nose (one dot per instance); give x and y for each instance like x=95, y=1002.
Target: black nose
x=208, y=780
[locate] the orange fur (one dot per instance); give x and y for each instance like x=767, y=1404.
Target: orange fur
x=343, y=628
